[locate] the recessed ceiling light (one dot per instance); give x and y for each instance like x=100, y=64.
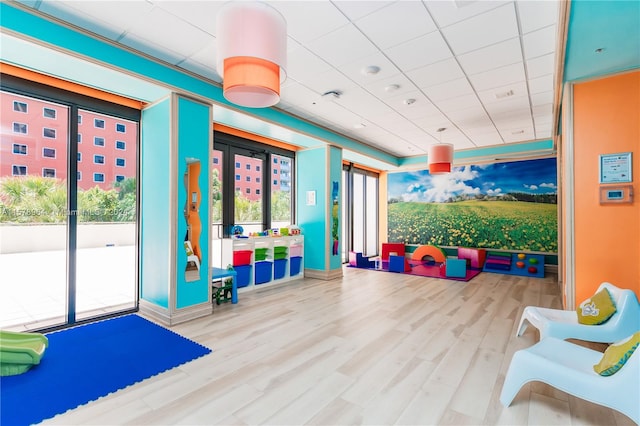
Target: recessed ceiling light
x=504, y=94
x=371, y=70
x=409, y=101
x=392, y=88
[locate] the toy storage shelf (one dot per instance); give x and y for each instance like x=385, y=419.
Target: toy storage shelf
x=262, y=261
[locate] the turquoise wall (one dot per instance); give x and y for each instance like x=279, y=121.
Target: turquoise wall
x=155, y=204
x=311, y=166
x=194, y=135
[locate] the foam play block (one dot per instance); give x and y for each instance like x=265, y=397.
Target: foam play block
x=456, y=267
x=475, y=257
x=359, y=261
x=398, y=264
x=388, y=248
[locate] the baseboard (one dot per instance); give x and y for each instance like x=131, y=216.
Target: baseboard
x=323, y=275
x=163, y=316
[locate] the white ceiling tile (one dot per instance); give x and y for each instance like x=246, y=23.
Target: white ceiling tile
x=419, y=108
x=542, y=98
x=201, y=14
x=437, y=73
x=419, y=52
x=448, y=12
x=302, y=64
x=486, y=139
x=542, y=65
x=543, y=110
x=413, y=16
x=482, y=30
x=204, y=61
x=509, y=106
x=497, y=94
x=497, y=77
x=460, y=102
x=326, y=46
x=540, y=42
x=355, y=70
x=448, y=90
x=535, y=14
x=308, y=20
x=381, y=88
x=470, y=118
x=357, y=9
x=431, y=124
x=495, y=56
x=330, y=80
x=163, y=29
x=541, y=84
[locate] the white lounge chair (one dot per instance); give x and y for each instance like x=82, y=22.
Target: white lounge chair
x=564, y=324
x=569, y=367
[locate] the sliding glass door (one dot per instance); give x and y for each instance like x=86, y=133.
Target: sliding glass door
x=68, y=219
x=33, y=219
x=360, y=212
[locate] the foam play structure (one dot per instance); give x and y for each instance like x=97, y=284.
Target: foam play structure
x=359, y=261
x=20, y=351
x=388, y=248
x=437, y=254
x=522, y=264
x=475, y=257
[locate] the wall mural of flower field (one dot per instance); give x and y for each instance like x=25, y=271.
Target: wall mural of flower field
x=505, y=206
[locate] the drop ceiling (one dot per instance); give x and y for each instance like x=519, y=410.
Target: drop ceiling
x=483, y=70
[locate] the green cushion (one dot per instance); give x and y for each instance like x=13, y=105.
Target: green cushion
x=616, y=355
x=597, y=309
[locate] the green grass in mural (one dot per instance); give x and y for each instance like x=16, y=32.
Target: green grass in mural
x=504, y=225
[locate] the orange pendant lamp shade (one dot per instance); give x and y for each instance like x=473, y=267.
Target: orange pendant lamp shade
x=252, y=47
x=440, y=157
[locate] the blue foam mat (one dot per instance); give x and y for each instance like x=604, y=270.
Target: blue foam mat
x=87, y=362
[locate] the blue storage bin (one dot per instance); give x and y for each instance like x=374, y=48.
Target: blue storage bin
x=279, y=268
x=263, y=272
x=294, y=268
x=243, y=275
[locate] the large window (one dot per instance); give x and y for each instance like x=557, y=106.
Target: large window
x=69, y=246
x=243, y=192
x=360, y=211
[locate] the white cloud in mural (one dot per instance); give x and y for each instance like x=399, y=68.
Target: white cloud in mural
x=548, y=185
x=532, y=187
x=446, y=186
x=494, y=192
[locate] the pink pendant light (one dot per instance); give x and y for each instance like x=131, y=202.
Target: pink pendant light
x=252, y=50
x=440, y=157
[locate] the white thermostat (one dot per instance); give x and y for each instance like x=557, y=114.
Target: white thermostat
x=616, y=194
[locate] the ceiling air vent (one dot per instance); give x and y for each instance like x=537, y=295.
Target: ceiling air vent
x=506, y=94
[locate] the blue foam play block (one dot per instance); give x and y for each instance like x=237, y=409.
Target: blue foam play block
x=456, y=268
x=397, y=264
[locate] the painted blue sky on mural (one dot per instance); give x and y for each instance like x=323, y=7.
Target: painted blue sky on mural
x=496, y=179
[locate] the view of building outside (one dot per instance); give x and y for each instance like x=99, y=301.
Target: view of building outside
x=34, y=212
x=248, y=175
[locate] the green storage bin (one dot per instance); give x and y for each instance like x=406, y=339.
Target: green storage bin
x=260, y=254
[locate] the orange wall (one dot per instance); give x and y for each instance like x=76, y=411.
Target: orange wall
x=607, y=237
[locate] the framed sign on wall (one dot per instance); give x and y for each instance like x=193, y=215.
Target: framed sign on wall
x=615, y=168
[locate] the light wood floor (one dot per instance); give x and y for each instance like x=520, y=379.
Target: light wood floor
x=371, y=348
